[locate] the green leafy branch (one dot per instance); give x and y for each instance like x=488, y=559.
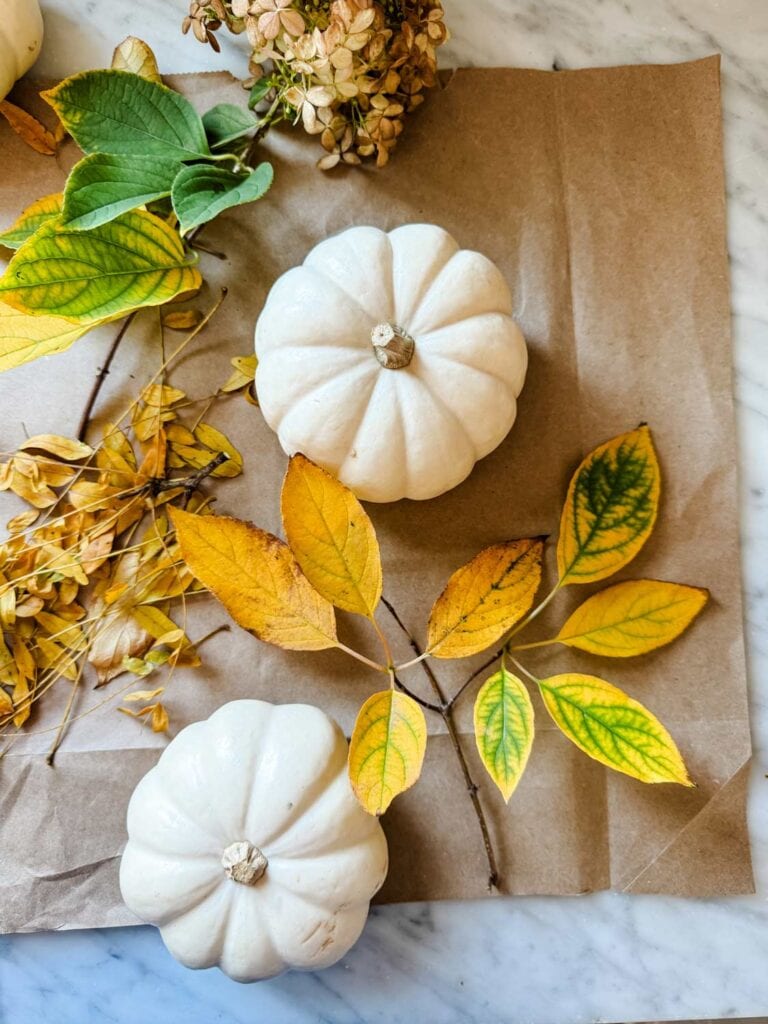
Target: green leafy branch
x=118, y=238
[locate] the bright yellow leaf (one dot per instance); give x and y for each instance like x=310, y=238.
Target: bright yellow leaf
x=387, y=749
x=504, y=729
x=257, y=579
x=632, y=618
x=485, y=598
x=332, y=537
x=24, y=338
x=216, y=442
x=610, y=509
x=612, y=728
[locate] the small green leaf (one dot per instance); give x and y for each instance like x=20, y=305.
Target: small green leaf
x=39, y=213
x=612, y=728
x=504, y=729
x=202, y=192
x=122, y=113
x=258, y=91
x=84, y=276
x=225, y=122
x=102, y=186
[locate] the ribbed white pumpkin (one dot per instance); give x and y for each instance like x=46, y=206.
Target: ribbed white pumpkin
x=247, y=846
x=21, y=36
x=392, y=360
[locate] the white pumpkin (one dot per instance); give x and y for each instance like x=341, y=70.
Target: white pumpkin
x=247, y=846
x=392, y=360
x=21, y=36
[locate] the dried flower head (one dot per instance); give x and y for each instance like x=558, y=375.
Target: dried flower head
x=348, y=70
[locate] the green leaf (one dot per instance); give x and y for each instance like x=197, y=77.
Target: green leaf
x=613, y=728
x=135, y=260
x=632, y=618
x=610, y=510
x=202, y=192
x=258, y=91
x=122, y=113
x=39, y=213
x=504, y=729
x=226, y=122
x=102, y=186
x=24, y=337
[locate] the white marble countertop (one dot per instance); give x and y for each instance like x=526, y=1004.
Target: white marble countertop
x=598, y=958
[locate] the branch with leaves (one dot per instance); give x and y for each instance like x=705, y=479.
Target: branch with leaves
x=119, y=236
x=285, y=593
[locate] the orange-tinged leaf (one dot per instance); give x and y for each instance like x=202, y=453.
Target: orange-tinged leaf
x=485, y=598
x=29, y=129
x=503, y=718
x=135, y=55
x=159, y=718
x=612, y=728
x=632, y=618
x=387, y=749
x=610, y=509
x=257, y=579
x=332, y=537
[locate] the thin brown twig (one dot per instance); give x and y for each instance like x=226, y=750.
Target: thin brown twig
x=445, y=711
x=101, y=376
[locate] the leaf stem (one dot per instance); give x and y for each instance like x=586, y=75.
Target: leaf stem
x=361, y=657
x=524, y=670
x=530, y=647
x=384, y=643
x=536, y=611
x=413, y=661
x=444, y=709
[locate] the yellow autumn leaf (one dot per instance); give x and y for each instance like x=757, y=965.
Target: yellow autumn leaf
x=387, y=749
x=257, y=579
x=24, y=338
x=485, y=598
x=62, y=447
x=503, y=718
x=332, y=537
x=632, y=618
x=182, y=320
x=612, y=728
x=154, y=621
x=215, y=442
x=134, y=55
x=142, y=695
x=243, y=373
x=610, y=509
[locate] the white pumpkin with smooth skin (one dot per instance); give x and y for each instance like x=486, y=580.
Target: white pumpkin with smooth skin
x=392, y=360
x=21, y=36
x=247, y=846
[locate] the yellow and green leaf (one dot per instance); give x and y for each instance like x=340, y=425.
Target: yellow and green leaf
x=387, y=749
x=24, y=337
x=632, y=618
x=504, y=729
x=332, y=537
x=610, y=509
x=85, y=276
x=257, y=579
x=485, y=598
x=33, y=217
x=612, y=728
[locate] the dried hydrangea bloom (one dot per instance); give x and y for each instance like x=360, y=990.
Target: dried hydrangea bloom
x=348, y=70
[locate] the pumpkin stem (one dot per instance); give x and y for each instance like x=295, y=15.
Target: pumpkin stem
x=243, y=862
x=393, y=346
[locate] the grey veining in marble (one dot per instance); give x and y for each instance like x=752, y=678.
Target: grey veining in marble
x=598, y=958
